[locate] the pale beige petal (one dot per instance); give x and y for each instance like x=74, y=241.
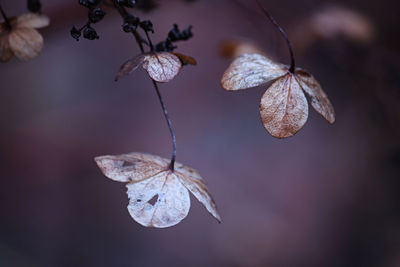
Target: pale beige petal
x=161, y=201
x=162, y=67
x=32, y=20
x=26, y=43
x=250, y=70
x=319, y=100
x=5, y=50
x=131, y=167
x=130, y=66
x=196, y=185
x=284, y=108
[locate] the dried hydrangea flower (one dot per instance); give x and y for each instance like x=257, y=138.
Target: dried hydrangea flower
x=159, y=196
x=283, y=107
x=19, y=37
x=161, y=66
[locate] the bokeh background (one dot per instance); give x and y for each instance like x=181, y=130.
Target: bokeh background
x=326, y=197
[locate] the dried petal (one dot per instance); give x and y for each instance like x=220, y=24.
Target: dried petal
x=33, y=20
x=196, y=185
x=250, y=70
x=162, y=67
x=283, y=107
x=130, y=66
x=172, y=204
x=319, y=100
x=185, y=59
x=333, y=21
x=234, y=48
x=5, y=50
x=149, y=178
x=131, y=167
x=26, y=43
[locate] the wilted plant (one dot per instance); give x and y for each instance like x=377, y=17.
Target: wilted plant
x=18, y=35
x=158, y=188
x=283, y=107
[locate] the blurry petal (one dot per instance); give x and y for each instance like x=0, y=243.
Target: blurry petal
x=233, y=48
x=32, y=20
x=162, y=67
x=5, y=50
x=196, y=185
x=250, y=70
x=319, y=100
x=284, y=108
x=185, y=59
x=130, y=66
x=26, y=43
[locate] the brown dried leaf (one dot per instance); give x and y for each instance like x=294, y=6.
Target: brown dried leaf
x=32, y=20
x=149, y=178
x=5, y=50
x=185, y=59
x=284, y=108
x=319, y=100
x=250, y=70
x=26, y=43
x=130, y=66
x=235, y=48
x=162, y=67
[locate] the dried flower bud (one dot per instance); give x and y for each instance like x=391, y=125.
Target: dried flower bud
x=96, y=15
x=90, y=33
x=147, y=26
x=75, y=33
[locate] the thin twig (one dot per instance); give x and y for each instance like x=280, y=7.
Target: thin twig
x=171, y=130
x=6, y=20
x=282, y=31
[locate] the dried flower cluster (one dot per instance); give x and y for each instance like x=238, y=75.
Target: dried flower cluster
x=150, y=178
x=283, y=107
x=19, y=37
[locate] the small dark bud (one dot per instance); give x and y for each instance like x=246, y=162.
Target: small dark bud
x=127, y=3
x=147, y=26
x=91, y=4
x=187, y=33
x=166, y=46
x=34, y=6
x=174, y=34
x=90, y=33
x=75, y=33
x=130, y=23
x=96, y=15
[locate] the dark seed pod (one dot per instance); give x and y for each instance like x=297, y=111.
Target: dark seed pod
x=75, y=33
x=90, y=33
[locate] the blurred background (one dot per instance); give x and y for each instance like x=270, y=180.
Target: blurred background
x=326, y=197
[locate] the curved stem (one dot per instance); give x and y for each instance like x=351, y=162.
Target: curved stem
x=150, y=42
x=6, y=20
x=140, y=42
x=283, y=33
x=171, y=130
